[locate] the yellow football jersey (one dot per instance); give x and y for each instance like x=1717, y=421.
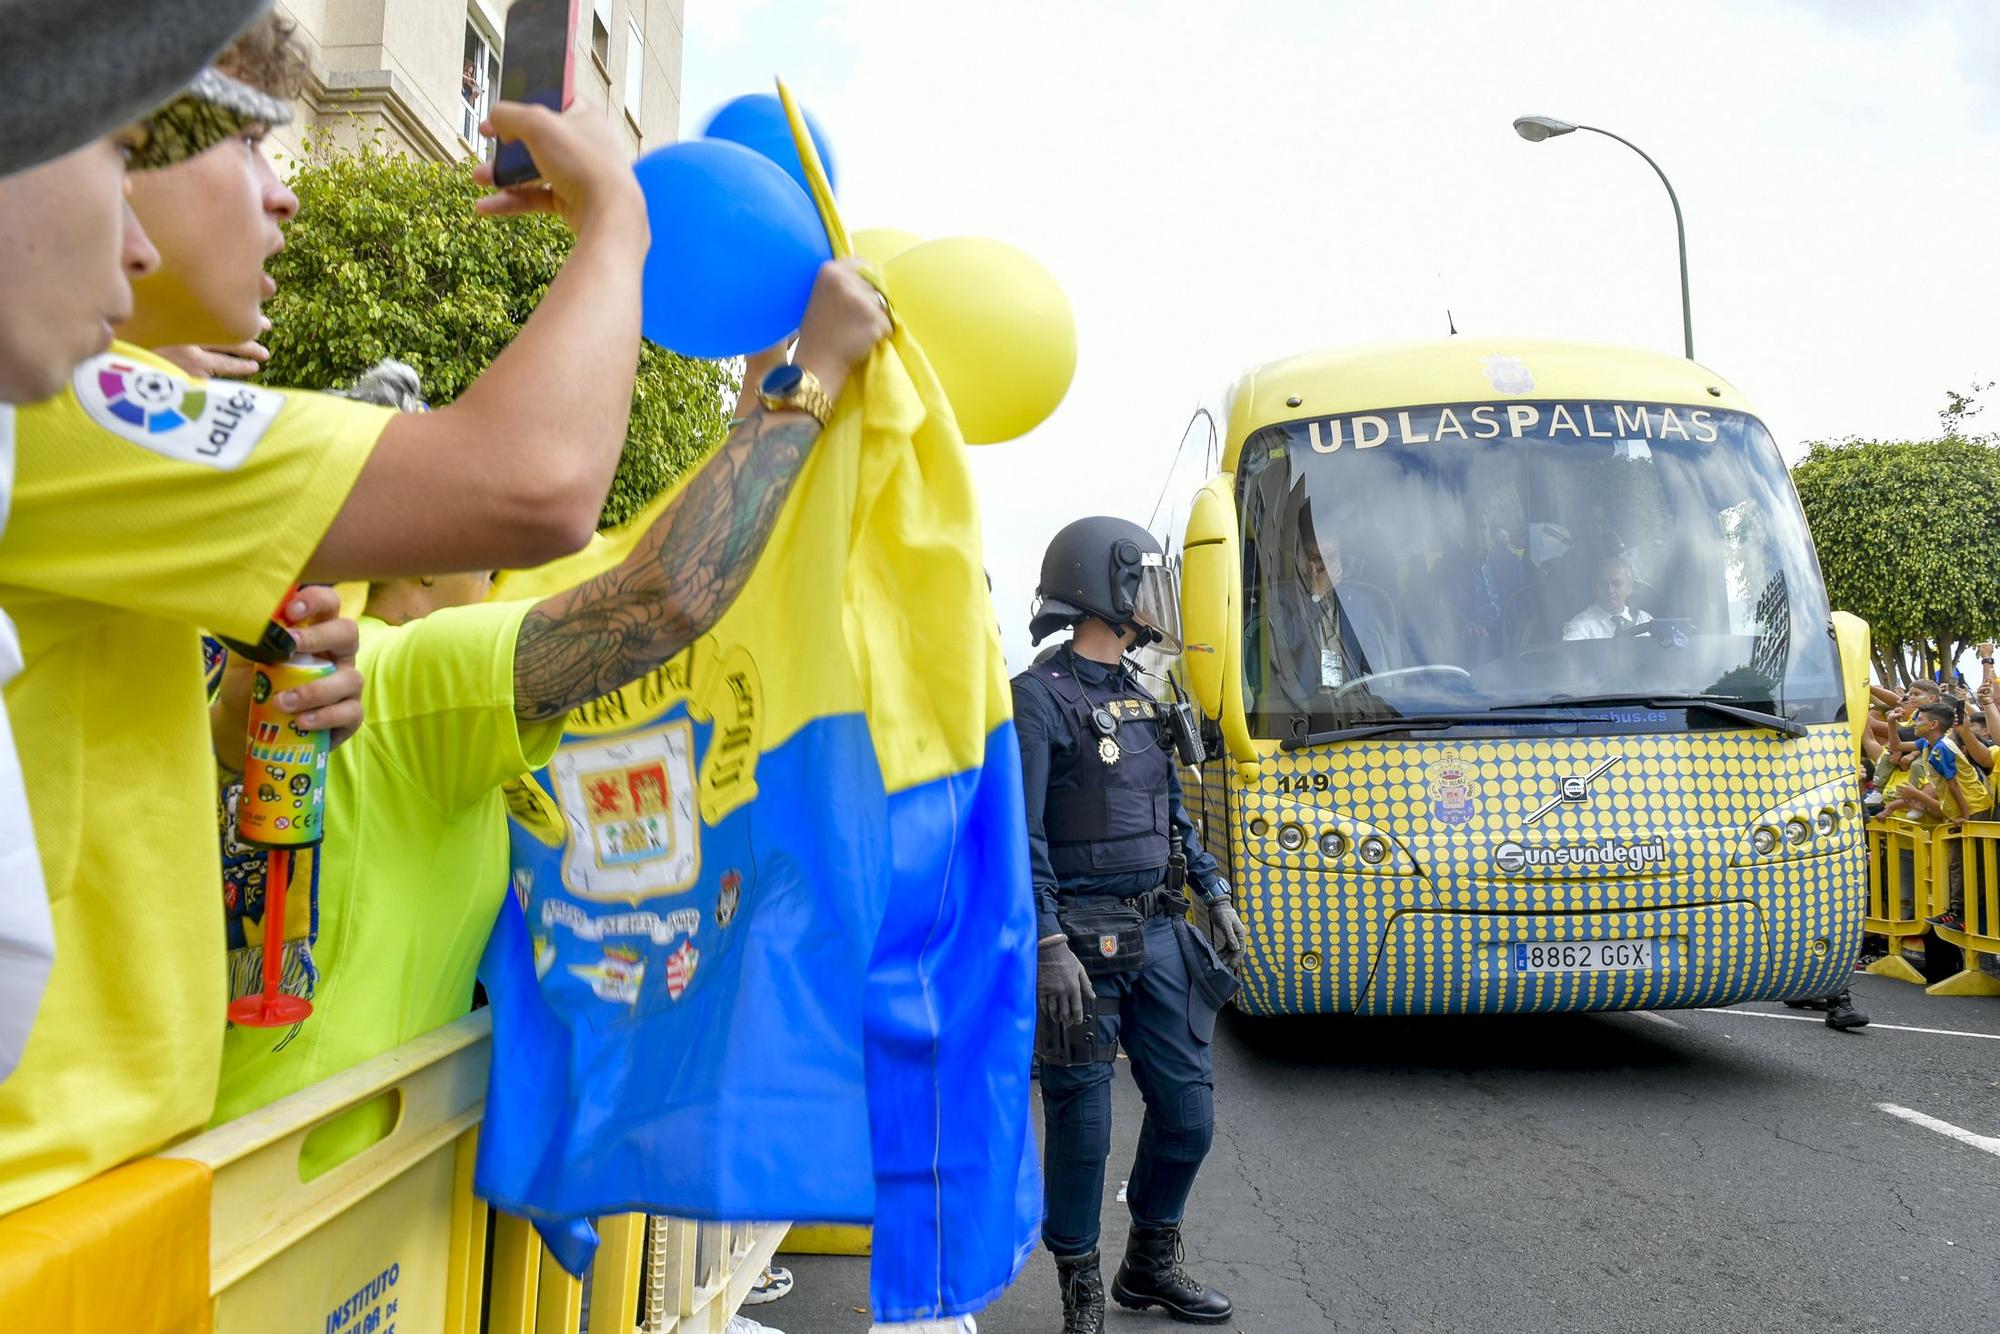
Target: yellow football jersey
x=145, y=505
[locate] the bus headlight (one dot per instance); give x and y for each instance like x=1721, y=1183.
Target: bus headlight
x=1331, y=844
x=1807, y=824
x=1291, y=838
x=1259, y=827
x=1374, y=849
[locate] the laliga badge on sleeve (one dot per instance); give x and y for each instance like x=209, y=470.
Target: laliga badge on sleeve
x=215, y=425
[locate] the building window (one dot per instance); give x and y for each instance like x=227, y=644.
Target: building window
x=600, y=31
x=635, y=69
x=476, y=85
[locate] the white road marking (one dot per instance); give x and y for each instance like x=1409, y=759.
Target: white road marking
x=1816, y=1019
x=1654, y=1016
x=1989, y=1143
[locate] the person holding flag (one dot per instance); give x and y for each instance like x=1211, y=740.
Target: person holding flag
x=1111, y=850
x=463, y=694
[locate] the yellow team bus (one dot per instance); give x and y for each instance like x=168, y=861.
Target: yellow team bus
x=1522, y=686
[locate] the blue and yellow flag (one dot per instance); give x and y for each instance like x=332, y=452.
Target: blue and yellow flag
x=770, y=954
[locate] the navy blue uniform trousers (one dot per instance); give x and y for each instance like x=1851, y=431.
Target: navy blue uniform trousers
x=1146, y=1011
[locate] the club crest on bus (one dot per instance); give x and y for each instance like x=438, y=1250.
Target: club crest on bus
x=1451, y=782
x=1509, y=375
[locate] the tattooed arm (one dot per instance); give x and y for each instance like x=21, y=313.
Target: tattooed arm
x=677, y=582
x=689, y=567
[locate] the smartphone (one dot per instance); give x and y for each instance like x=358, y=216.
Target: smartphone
x=537, y=64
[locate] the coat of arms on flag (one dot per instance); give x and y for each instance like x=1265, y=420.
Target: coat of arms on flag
x=629, y=804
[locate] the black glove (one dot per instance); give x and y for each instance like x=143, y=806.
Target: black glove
x=1061, y=986
x=1228, y=931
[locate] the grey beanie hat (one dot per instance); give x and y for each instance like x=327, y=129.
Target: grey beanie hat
x=212, y=108
x=74, y=72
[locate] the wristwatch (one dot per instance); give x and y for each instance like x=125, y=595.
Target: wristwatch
x=794, y=388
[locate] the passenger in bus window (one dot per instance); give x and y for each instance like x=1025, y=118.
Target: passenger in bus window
x=1477, y=573
x=1611, y=613
x=1324, y=630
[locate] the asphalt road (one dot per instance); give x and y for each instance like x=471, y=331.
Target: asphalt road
x=1690, y=1170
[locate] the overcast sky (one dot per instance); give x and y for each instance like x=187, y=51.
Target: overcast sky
x=1219, y=185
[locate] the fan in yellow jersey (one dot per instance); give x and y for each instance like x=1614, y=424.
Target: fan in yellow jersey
x=148, y=504
x=68, y=252
x=462, y=696
x=1942, y=788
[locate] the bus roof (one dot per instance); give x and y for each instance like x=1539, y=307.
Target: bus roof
x=1462, y=370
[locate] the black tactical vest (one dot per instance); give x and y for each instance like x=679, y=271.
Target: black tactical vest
x=1105, y=815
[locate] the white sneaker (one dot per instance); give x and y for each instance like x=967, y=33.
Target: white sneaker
x=772, y=1284
x=743, y=1324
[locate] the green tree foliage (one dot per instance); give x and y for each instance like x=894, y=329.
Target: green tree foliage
x=386, y=259
x=1906, y=535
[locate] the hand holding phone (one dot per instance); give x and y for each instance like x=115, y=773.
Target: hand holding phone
x=538, y=65
x=586, y=175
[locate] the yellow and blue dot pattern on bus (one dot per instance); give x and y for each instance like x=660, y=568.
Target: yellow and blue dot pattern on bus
x=1474, y=851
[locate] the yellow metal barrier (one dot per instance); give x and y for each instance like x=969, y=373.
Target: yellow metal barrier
x=1978, y=844
x=1904, y=878
x=393, y=1241
x=828, y=1239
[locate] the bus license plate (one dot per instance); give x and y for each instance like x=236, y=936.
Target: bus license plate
x=1583, y=956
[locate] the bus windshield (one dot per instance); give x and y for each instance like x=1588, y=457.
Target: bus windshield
x=1459, y=558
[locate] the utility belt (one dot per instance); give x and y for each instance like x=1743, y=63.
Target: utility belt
x=1109, y=933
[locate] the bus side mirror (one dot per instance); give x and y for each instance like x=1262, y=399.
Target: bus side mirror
x=1208, y=597
x=1850, y=634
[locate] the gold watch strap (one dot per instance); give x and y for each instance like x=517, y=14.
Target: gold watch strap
x=808, y=396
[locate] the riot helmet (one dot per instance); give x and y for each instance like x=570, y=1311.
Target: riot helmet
x=1111, y=569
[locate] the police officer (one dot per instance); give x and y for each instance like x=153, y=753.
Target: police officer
x=1110, y=846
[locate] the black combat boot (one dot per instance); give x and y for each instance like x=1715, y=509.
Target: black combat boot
x=1152, y=1276
x=1082, y=1294
x=1840, y=1013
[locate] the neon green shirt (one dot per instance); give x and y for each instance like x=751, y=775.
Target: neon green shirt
x=414, y=866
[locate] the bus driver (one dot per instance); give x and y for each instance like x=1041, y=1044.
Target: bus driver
x=1610, y=614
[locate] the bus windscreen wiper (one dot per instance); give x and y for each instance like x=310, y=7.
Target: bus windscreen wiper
x=1430, y=722
x=1721, y=705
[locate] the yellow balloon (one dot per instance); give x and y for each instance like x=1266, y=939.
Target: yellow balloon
x=996, y=328
x=882, y=244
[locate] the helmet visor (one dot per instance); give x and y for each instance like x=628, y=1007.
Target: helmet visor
x=1157, y=605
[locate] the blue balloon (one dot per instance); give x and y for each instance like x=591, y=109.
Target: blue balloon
x=736, y=246
x=757, y=121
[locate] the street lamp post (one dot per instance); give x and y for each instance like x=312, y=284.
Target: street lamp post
x=1537, y=128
